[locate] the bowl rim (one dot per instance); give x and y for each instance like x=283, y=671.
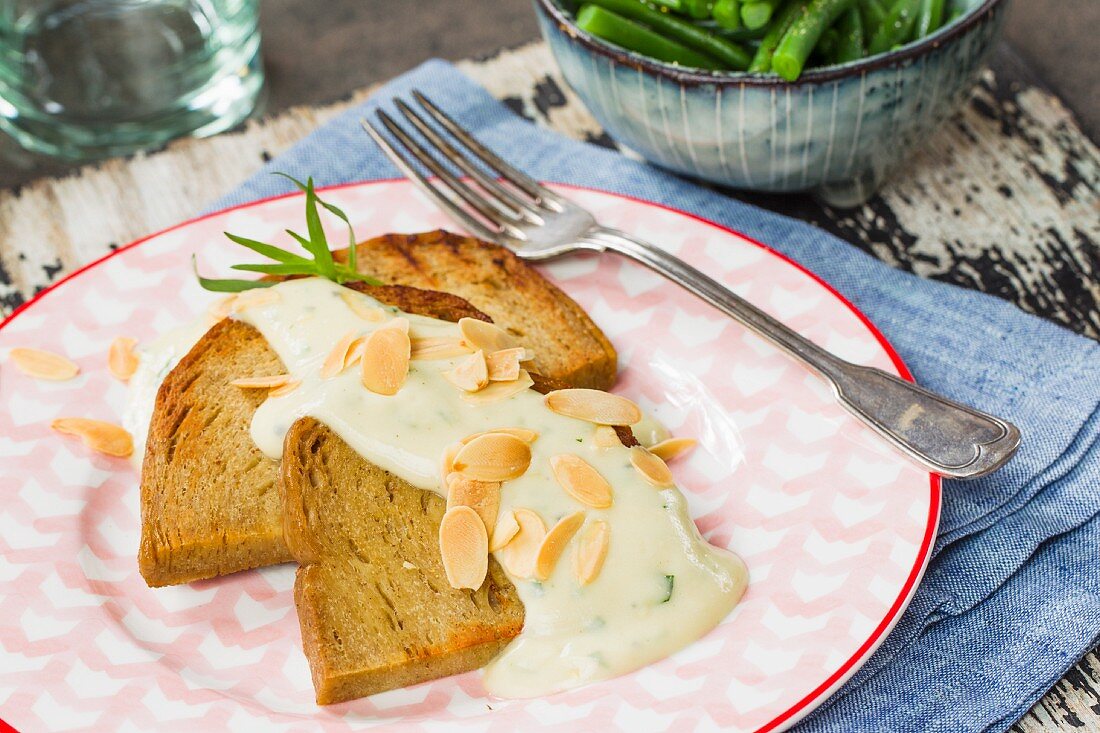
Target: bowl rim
x=698, y=77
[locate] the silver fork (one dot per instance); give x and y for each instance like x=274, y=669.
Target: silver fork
x=503, y=205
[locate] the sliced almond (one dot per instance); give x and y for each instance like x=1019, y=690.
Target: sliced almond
x=361, y=308
x=285, y=389
x=518, y=556
x=498, y=391
x=103, y=437
x=255, y=298
x=527, y=436
x=503, y=365
x=485, y=336
x=470, y=374
x=652, y=468
x=594, y=405
x=464, y=547
x=121, y=359
x=590, y=551
x=493, y=457
x=385, y=361
x=505, y=529
x=481, y=496
x=553, y=544
x=581, y=481
x=43, y=364
x=400, y=324
x=447, y=462
x=606, y=437
x=222, y=307
x=338, y=359
x=671, y=448
x=438, y=347
x=271, y=382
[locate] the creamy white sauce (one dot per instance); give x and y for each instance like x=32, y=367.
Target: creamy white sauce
x=662, y=585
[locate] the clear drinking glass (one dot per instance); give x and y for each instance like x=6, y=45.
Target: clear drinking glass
x=84, y=79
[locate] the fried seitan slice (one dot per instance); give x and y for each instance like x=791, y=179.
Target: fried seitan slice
x=373, y=601
x=374, y=605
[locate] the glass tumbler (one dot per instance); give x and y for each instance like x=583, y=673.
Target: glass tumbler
x=85, y=79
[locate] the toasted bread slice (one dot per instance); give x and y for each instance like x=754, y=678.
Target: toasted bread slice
x=567, y=344
x=373, y=601
x=209, y=502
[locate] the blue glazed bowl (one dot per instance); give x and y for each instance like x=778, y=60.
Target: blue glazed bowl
x=838, y=131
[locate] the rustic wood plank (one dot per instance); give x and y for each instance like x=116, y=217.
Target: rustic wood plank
x=1026, y=229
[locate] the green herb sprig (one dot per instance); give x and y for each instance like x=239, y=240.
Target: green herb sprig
x=320, y=263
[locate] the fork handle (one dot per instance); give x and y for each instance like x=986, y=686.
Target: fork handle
x=943, y=436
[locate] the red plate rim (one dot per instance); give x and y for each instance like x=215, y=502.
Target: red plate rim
x=804, y=706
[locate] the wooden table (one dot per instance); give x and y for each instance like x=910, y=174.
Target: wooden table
x=1004, y=200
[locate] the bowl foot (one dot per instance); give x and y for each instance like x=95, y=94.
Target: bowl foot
x=850, y=193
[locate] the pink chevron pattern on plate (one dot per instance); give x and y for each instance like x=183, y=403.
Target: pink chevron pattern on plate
x=835, y=528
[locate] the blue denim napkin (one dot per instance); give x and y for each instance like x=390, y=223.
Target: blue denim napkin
x=1011, y=598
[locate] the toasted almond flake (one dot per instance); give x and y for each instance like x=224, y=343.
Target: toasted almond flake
x=121, y=359
x=527, y=436
x=594, y=405
x=498, y=391
x=493, y=457
x=581, y=481
x=408, y=565
x=485, y=336
x=438, y=347
x=481, y=496
x=385, y=361
x=503, y=365
x=43, y=364
x=447, y=462
x=671, y=448
x=505, y=529
x=103, y=437
x=553, y=544
x=399, y=324
x=518, y=556
x=470, y=374
x=606, y=437
x=285, y=389
x=273, y=381
x=652, y=468
x=255, y=298
x=361, y=308
x=464, y=547
x=590, y=551
x=337, y=359
x=222, y=307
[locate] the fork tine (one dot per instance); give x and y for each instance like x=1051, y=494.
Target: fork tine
x=444, y=198
x=520, y=180
x=523, y=207
x=448, y=181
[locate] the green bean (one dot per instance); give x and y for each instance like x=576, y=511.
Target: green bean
x=696, y=8
x=873, y=12
x=802, y=36
x=850, y=45
x=757, y=13
x=727, y=14
x=676, y=6
x=679, y=31
x=929, y=17
x=636, y=37
x=762, y=61
x=897, y=28
x=827, y=45
x=739, y=35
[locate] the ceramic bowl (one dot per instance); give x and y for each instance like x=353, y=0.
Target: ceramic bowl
x=838, y=131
